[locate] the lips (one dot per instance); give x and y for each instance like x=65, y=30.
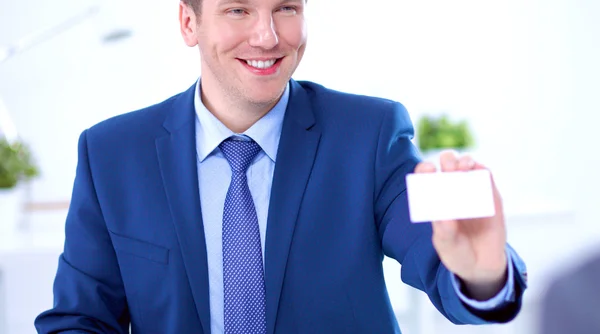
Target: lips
x=263, y=66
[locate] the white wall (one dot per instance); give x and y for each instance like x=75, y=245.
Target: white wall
x=504, y=65
x=60, y=87
x=584, y=47
x=525, y=74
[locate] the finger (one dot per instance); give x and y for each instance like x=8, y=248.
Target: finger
x=425, y=167
x=448, y=161
x=446, y=228
x=497, y=196
x=478, y=165
x=466, y=163
x=444, y=233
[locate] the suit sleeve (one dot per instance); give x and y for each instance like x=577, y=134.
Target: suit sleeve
x=88, y=291
x=410, y=244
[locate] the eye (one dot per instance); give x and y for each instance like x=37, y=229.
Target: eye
x=236, y=12
x=288, y=9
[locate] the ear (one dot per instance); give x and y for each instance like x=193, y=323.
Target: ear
x=187, y=24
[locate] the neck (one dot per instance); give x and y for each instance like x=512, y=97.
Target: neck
x=236, y=113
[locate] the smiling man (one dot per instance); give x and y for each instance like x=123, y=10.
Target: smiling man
x=249, y=51
x=254, y=203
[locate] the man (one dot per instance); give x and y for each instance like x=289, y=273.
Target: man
x=572, y=302
x=253, y=203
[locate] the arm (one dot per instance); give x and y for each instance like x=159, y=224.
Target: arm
x=88, y=292
x=505, y=290
x=500, y=308
x=411, y=244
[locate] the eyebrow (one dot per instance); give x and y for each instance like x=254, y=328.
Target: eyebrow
x=228, y=2
x=290, y=1
x=245, y=2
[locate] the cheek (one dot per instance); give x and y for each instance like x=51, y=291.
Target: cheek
x=223, y=38
x=293, y=34
x=231, y=39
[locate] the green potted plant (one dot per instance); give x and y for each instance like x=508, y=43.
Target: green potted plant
x=16, y=167
x=16, y=164
x=434, y=134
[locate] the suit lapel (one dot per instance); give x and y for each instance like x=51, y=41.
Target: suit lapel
x=295, y=157
x=179, y=169
x=178, y=163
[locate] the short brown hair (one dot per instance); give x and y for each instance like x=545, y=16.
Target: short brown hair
x=195, y=4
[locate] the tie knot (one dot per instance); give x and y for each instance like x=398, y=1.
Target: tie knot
x=239, y=153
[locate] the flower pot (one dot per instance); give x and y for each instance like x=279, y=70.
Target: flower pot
x=11, y=209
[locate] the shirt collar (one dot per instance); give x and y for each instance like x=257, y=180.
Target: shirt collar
x=265, y=132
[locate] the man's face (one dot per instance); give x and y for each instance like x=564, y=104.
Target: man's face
x=249, y=48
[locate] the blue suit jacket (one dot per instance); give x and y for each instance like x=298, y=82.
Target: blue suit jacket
x=135, y=248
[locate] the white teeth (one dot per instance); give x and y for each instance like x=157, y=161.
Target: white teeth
x=261, y=64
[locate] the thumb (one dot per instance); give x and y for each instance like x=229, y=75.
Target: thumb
x=444, y=233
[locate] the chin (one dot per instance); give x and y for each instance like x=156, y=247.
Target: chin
x=264, y=99
x=265, y=94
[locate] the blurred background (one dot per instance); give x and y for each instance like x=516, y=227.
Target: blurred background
x=520, y=79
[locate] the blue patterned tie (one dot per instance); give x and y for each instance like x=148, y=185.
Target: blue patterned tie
x=243, y=275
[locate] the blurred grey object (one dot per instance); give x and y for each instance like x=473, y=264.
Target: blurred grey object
x=572, y=302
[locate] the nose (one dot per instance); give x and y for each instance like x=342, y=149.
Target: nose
x=264, y=34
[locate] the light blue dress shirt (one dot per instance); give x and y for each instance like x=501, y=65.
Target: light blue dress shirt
x=214, y=175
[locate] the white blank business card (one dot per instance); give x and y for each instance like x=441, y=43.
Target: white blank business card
x=450, y=195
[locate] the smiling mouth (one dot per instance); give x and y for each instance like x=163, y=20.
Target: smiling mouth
x=261, y=64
